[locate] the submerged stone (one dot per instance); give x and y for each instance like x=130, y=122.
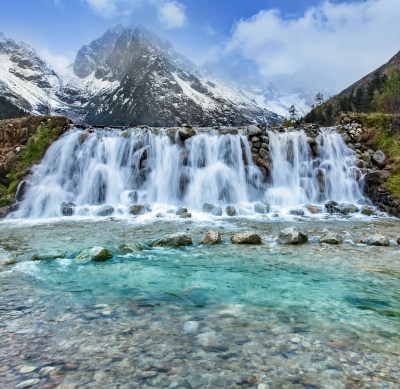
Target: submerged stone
x=246, y=238
x=174, y=240
x=262, y=208
x=137, y=209
x=212, y=237
x=230, y=210
x=105, y=210
x=376, y=240
x=97, y=254
x=67, y=208
x=296, y=212
x=6, y=258
x=213, y=209
x=292, y=235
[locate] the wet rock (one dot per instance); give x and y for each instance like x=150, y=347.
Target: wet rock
x=21, y=190
x=190, y=326
x=379, y=158
x=174, y=240
x=6, y=258
x=330, y=206
x=137, y=209
x=183, y=213
x=27, y=383
x=97, y=254
x=186, y=133
x=230, y=210
x=347, y=208
x=27, y=369
x=368, y=211
x=313, y=209
x=296, y=212
x=246, y=238
x=359, y=163
x=376, y=240
x=213, y=209
x=212, y=237
x=133, y=196
x=292, y=235
x=67, y=208
x=253, y=130
x=105, y=210
x=376, y=178
x=331, y=238
x=262, y=208
x=264, y=154
x=398, y=240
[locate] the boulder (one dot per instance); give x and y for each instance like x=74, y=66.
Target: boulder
x=366, y=157
x=186, y=132
x=376, y=178
x=398, y=240
x=105, y=210
x=368, y=211
x=292, y=235
x=246, y=238
x=97, y=254
x=347, y=208
x=67, y=208
x=230, y=210
x=379, y=158
x=331, y=206
x=212, y=237
x=331, y=238
x=376, y=240
x=183, y=213
x=264, y=154
x=213, y=209
x=313, y=209
x=21, y=190
x=174, y=240
x=253, y=130
x=296, y=212
x=137, y=209
x=262, y=208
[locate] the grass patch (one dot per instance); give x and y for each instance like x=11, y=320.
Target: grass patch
x=37, y=145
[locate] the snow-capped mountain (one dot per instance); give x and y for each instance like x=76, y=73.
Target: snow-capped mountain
x=127, y=77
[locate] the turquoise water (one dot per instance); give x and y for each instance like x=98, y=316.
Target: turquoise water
x=221, y=316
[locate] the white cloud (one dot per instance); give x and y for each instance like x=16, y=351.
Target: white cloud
x=340, y=42
x=60, y=63
x=172, y=14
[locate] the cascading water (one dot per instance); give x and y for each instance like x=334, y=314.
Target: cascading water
x=312, y=172
x=119, y=169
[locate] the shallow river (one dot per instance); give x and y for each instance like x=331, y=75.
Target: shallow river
x=268, y=316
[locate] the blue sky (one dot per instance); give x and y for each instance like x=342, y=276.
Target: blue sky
x=300, y=41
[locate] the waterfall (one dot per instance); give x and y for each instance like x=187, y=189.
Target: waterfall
x=305, y=170
x=154, y=167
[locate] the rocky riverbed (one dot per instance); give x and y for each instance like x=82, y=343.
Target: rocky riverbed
x=269, y=315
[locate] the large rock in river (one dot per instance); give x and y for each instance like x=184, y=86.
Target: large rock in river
x=213, y=209
x=376, y=240
x=212, y=237
x=331, y=238
x=246, y=238
x=292, y=235
x=97, y=254
x=174, y=240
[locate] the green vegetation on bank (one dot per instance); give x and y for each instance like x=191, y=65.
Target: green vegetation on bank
x=43, y=131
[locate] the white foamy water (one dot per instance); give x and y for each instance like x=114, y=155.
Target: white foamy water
x=141, y=166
